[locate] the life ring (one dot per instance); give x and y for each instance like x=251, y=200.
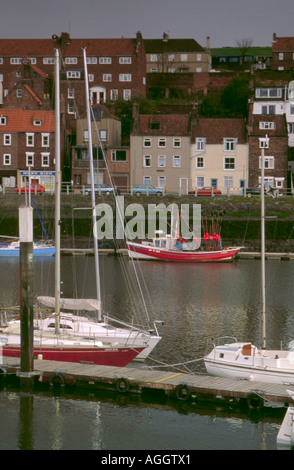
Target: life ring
x=57, y=379
x=254, y=401
x=122, y=385
x=182, y=392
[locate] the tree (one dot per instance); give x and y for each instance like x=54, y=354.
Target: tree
x=244, y=45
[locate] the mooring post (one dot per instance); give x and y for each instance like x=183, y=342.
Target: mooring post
x=26, y=290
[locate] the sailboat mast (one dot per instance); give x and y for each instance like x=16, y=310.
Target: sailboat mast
x=57, y=192
x=263, y=143
x=90, y=147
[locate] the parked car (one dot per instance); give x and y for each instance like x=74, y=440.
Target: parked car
x=256, y=191
x=139, y=189
x=102, y=188
x=34, y=187
x=206, y=191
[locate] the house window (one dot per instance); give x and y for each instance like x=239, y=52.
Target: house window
x=125, y=77
x=15, y=60
x=37, y=122
x=104, y=60
x=267, y=125
x=107, y=77
x=73, y=74
x=19, y=92
x=45, y=140
x=127, y=94
x=30, y=139
x=161, y=142
x=70, y=107
x=281, y=55
x=199, y=162
x=30, y=159
x=199, y=57
x=45, y=159
x=268, y=109
x=91, y=77
x=269, y=163
x=177, y=142
x=171, y=57
x=118, y=155
x=71, y=60
x=147, y=160
x=290, y=128
x=7, y=139
x=48, y=60
x=200, y=144
x=199, y=181
x=147, y=180
x=3, y=120
x=114, y=95
x=91, y=60
x=103, y=135
x=292, y=109
x=125, y=60
x=153, y=57
x=161, y=181
x=176, y=161
x=1, y=60
x=70, y=92
x=198, y=69
x=230, y=144
x=147, y=142
x=184, y=57
x=229, y=163
x=162, y=160
x=228, y=182
x=268, y=92
x=7, y=159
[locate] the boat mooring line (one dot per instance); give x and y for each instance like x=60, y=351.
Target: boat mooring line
x=169, y=377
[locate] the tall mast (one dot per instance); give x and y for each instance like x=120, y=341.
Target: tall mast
x=90, y=147
x=57, y=192
x=263, y=145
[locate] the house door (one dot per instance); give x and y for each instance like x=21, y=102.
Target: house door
x=184, y=185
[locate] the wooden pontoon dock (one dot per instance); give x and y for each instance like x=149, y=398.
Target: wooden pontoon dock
x=138, y=379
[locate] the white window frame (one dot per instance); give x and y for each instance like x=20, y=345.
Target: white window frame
x=19, y=93
x=200, y=144
x=177, y=142
x=45, y=156
x=200, y=182
x=269, y=162
x=105, y=60
x=177, y=161
x=147, y=161
x=161, y=161
x=103, y=135
x=125, y=77
x=71, y=93
x=231, y=162
x=45, y=139
x=15, y=60
x=147, y=180
x=281, y=55
x=127, y=94
x=7, y=139
x=161, y=181
x=147, y=142
x=91, y=60
x=268, y=92
x=125, y=60
x=71, y=60
x=153, y=58
x=107, y=77
x=71, y=107
x=228, y=182
x=48, y=60
x=184, y=57
x=161, y=142
x=267, y=125
x=74, y=74
x=7, y=156
x=3, y=120
x=30, y=157
x=30, y=139
x=200, y=162
x=114, y=94
x=230, y=144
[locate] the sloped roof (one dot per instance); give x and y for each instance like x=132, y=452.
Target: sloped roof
x=45, y=47
x=172, y=45
x=216, y=129
x=21, y=120
x=279, y=119
x=283, y=44
x=169, y=125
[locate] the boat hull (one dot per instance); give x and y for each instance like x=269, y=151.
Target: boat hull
x=142, y=252
x=37, y=251
x=117, y=357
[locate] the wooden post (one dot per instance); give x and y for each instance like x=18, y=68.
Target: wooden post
x=26, y=288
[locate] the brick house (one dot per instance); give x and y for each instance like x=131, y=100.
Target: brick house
x=219, y=154
x=27, y=140
x=160, y=151
x=282, y=53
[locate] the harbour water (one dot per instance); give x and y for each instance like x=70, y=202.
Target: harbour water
x=196, y=303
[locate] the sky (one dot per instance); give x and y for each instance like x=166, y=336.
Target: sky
x=224, y=21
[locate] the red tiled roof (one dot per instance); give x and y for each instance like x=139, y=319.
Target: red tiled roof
x=283, y=44
x=45, y=47
x=216, y=129
x=168, y=125
x=21, y=120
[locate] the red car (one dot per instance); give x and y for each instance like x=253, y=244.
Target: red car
x=206, y=191
x=34, y=187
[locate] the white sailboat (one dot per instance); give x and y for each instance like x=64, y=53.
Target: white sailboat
x=243, y=359
x=102, y=330
x=56, y=340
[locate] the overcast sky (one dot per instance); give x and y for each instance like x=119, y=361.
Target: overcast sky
x=225, y=21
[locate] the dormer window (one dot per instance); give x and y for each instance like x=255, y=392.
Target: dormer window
x=3, y=120
x=37, y=122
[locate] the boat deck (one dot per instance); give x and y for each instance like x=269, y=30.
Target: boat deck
x=138, y=379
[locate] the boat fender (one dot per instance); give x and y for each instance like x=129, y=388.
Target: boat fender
x=182, y=392
x=122, y=385
x=57, y=379
x=254, y=401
